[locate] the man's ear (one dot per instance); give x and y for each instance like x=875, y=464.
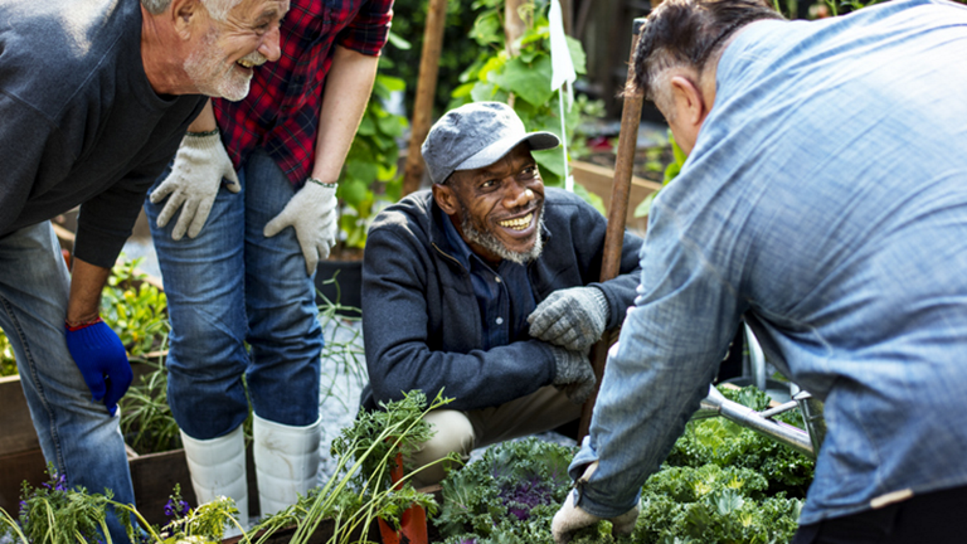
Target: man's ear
x=445, y=198
x=185, y=16
x=688, y=101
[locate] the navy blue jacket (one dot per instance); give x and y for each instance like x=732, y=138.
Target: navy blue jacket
x=421, y=323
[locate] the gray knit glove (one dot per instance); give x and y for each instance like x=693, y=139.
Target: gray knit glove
x=573, y=374
x=571, y=318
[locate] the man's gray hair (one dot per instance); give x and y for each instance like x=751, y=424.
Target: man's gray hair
x=687, y=33
x=217, y=8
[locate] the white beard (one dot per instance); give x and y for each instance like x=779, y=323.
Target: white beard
x=207, y=71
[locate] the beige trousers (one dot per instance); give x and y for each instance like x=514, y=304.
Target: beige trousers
x=461, y=432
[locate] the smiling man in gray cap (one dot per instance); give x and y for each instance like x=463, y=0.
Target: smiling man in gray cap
x=486, y=288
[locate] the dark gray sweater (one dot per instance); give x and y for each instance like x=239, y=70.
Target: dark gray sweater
x=80, y=121
x=421, y=323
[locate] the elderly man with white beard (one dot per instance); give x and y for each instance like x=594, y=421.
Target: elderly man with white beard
x=95, y=98
x=487, y=288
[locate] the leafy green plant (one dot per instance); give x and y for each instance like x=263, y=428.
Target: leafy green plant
x=721, y=483
x=135, y=309
x=360, y=491
x=146, y=420
x=353, y=498
x=76, y=515
x=713, y=504
x=509, y=495
x=370, y=175
x=8, y=361
x=456, y=54
x=524, y=80
x=723, y=443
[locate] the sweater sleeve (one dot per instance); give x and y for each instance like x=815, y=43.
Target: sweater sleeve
x=400, y=307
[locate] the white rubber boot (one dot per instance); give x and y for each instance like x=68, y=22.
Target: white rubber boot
x=286, y=462
x=217, y=469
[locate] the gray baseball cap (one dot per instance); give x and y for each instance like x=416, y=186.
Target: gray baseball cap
x=477, y=135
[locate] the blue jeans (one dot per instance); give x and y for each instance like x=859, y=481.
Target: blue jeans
x=76, y=434
x=232, y=286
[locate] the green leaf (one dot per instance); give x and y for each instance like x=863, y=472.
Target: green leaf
x=398, y=41
x=486, y=91
x=578, y=58
x=353, y=192
x=642, y=209
x=529, y=82
x=391, y=83
x=392, y=125
x=590, y=198
x=463, y=90
x=366, y=127
x=551, y=160
x=487, y=29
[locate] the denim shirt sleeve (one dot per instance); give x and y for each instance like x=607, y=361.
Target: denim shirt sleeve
x=658, y=372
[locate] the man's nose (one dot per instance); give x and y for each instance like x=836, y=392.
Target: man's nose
x=521, y=197
x=269, y=48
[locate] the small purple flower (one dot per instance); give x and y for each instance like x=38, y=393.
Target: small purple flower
x=60, y=483
x=176, y=507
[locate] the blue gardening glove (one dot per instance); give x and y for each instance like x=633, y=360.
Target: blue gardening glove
x=572, y=318
x=100, y=356
x=570, y=518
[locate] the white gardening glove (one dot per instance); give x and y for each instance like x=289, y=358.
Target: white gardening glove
x=312, y=213
x=196, y=175
x=570, y=518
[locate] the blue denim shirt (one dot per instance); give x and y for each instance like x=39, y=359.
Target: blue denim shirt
x=504, y=295
x=826, y=197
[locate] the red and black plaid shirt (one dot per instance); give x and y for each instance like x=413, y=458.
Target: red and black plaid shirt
x=281, y=112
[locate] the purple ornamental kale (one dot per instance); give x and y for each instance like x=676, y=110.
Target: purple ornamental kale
x=520, y=499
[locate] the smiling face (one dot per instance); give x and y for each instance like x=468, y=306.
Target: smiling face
x=497, y=208
x=221, y=62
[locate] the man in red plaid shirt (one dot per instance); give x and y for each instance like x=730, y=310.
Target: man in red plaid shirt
x=246, y=279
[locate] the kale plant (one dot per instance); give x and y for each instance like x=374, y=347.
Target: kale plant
x=713, y=504
x=510, y=495
x=721, y=442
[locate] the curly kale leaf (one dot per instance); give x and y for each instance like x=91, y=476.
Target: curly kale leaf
x=724, y=443
x=512, y=492
x=713, y=504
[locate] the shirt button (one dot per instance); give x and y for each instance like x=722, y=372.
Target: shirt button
x=497, y=279
x=500, y=321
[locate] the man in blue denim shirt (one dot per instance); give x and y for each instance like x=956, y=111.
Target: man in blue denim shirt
x=487, y=288
x=824, y=198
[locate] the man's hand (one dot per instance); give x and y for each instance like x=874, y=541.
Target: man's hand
x=100, y=356
x=570, y=518
x=312, y=213
x=571, y=318
x=196, y=175
x=573, y=374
